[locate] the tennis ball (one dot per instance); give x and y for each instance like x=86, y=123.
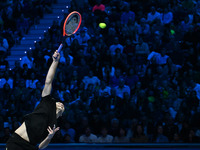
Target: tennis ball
x=172, y=32
x=102, y=25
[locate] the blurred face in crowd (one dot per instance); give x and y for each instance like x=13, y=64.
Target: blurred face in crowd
x=153, y=10
x=88, y=131
x=121, y=83
x=160, y=130
x=104, y=132
x=116, y=40
x=139, y=129
x=122, y=132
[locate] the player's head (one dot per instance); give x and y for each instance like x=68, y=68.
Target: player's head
x=60, y=108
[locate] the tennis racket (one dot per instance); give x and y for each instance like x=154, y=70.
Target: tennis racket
x=71, y=25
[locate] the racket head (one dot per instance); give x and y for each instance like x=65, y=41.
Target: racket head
x=72, y=23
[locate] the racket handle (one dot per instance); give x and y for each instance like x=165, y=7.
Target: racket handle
x=59, y=48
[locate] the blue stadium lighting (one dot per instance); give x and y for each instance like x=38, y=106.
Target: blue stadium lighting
x=62, y=10
x=58, y=17
x=49, y=27
x=20, y=58
x=39, y=37
x=30, y=48
x=66, y=6
x=44, y=31
x=10, y=69
x=35, y=41
x=25, y=52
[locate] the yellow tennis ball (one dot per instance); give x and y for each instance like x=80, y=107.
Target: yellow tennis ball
x=102, y=25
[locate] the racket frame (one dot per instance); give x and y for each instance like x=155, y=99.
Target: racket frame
x=74, y=12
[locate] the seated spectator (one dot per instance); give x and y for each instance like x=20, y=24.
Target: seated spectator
x=22, y=25
x=153, y=15
x=91, y=79
x=119, y=60
x=105, y=137
x=132, y=127
x=143, y=28
x=114, y=46
x=114, y=81
x=104, y=91
x=160, y=137
x=142, y=48
x=31, y=82
x=6, y=79
x=68, y=133
x=3, y=64
x=88, y=137
x=3, y=46
x=98, y=6
x=122, y=88
x=114, y=128
x=132, y=78
x=139, y=136
x=83, y=37
x=166, y=17
x=127, y=15
x=163, y=59
x=121, y=137
x=108, y=72
x=176, y=138
x=67, y=138
x=27, y=60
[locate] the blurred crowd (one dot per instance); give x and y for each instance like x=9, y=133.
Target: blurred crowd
x=135, y=81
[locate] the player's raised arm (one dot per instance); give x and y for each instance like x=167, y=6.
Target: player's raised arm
x=50, y=75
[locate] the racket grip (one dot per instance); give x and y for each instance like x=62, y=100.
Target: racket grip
x=59, y=48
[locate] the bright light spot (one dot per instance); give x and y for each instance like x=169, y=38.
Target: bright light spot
x=44, y=31
x=49, y=27
x=66, y=6
x=10, y=69
x=20, y=58
x=34, y=41
x=58, y=17
x=39, y=37
x=30, y=48
x=62, y=10
x=25, y=52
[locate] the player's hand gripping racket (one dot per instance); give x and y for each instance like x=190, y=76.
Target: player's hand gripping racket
x=71, y=25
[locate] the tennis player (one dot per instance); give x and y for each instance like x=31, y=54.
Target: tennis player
x=39, y=126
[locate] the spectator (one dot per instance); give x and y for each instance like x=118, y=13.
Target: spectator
x=31, y=83
x=88, y=137
x=90, y=79
x=153, y=15
x=114, y=46
x=83, y=37
x=28, y=60
x=105, y=137
x=142, y=48
x=139, y=136
x=127, y=15
x=68, y=133
x=122, y=88
x=166, y=17
x=160, y=138
x=98, y=6
x=121, y=137
x=143, y=28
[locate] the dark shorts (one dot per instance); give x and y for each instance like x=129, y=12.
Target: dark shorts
x=15, y=142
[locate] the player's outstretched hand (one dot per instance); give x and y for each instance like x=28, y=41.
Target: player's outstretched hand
x=52, y=131
x=56, y=56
